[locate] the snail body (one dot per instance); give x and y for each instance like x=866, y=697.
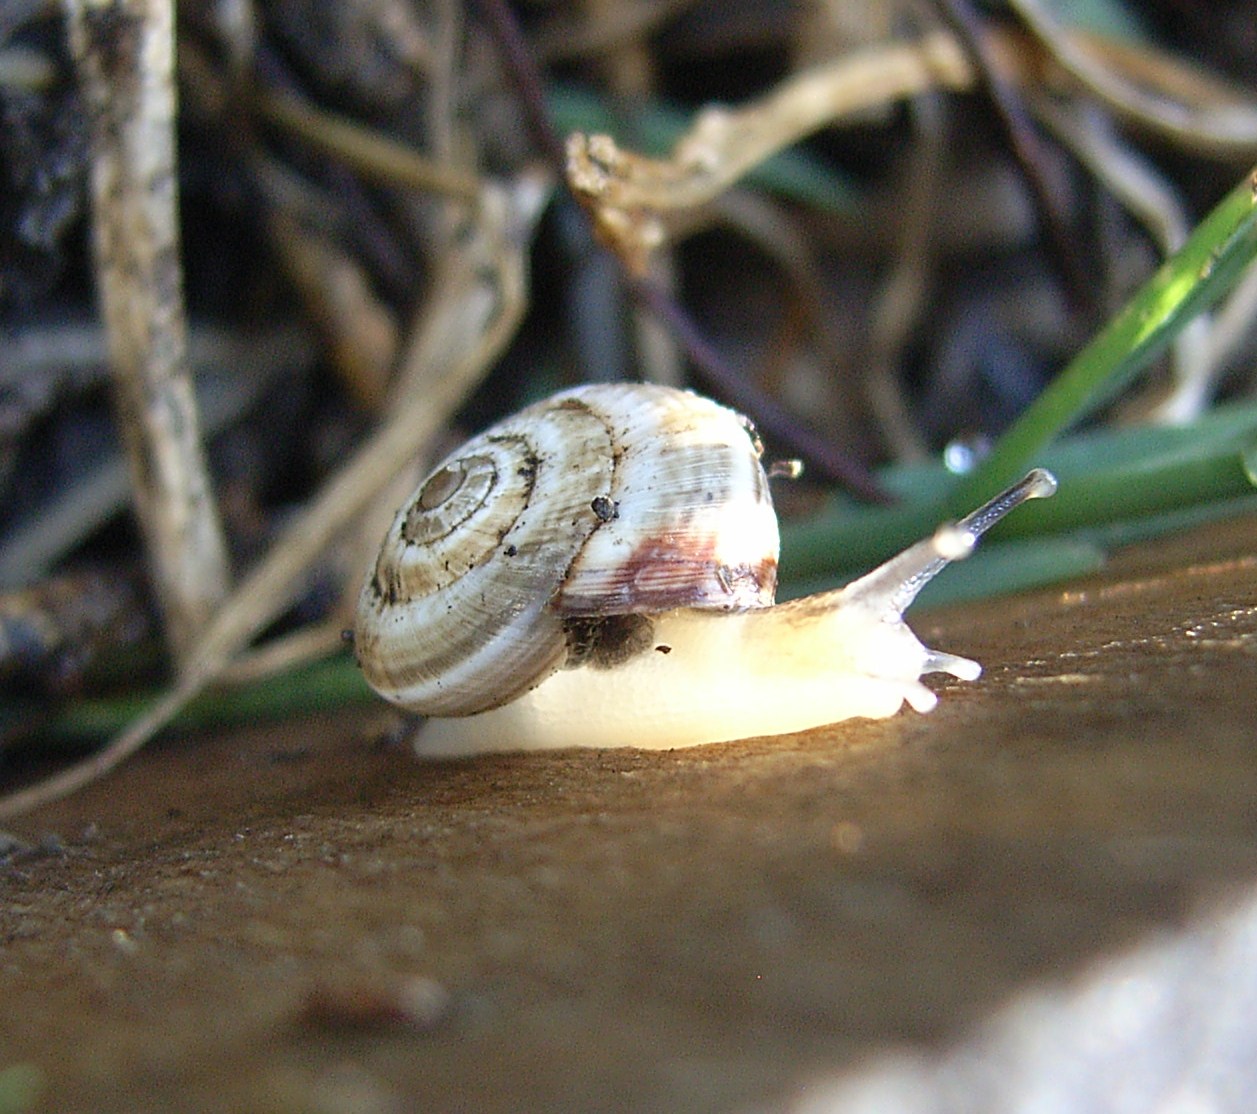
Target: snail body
x=600, y=569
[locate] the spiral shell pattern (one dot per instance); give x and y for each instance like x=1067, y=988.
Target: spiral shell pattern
x=604, y=500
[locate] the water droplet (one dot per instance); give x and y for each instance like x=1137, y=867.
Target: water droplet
x=964, y=454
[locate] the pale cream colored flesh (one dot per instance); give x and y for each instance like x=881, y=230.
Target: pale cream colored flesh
x=723, y=676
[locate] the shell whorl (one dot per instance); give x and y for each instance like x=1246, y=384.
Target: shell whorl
x=600, y=501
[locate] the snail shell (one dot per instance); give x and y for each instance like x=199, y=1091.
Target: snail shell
x=600, y=570
x=600, y=501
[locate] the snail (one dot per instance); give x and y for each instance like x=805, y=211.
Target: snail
x=600, y=570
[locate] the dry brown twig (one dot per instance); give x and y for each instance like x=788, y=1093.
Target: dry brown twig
x=124, y=50
x=375, y=157
x=361, y=333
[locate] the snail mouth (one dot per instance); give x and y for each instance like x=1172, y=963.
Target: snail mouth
x=607, y=641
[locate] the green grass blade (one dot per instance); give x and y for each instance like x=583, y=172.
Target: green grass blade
x=334, y=682
x=1193, y=279
x=1107, y=476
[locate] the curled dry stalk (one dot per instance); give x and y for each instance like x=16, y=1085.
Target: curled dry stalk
x=1167, y=99
x=629, y=195
x=1107, y=83
x=635, y=200
x=1150, y=198
x=773, y=418
x=124, y=50
x=473, y=314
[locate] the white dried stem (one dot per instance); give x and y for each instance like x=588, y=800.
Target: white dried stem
x=125, y=55
x=627, y=192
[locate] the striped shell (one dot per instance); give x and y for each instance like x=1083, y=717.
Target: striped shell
x=602, y=501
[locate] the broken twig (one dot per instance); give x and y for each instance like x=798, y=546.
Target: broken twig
x=125, y=55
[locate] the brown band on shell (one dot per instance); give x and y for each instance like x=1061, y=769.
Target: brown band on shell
x=664, y=573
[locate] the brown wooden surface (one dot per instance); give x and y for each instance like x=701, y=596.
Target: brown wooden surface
x=295, y=918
